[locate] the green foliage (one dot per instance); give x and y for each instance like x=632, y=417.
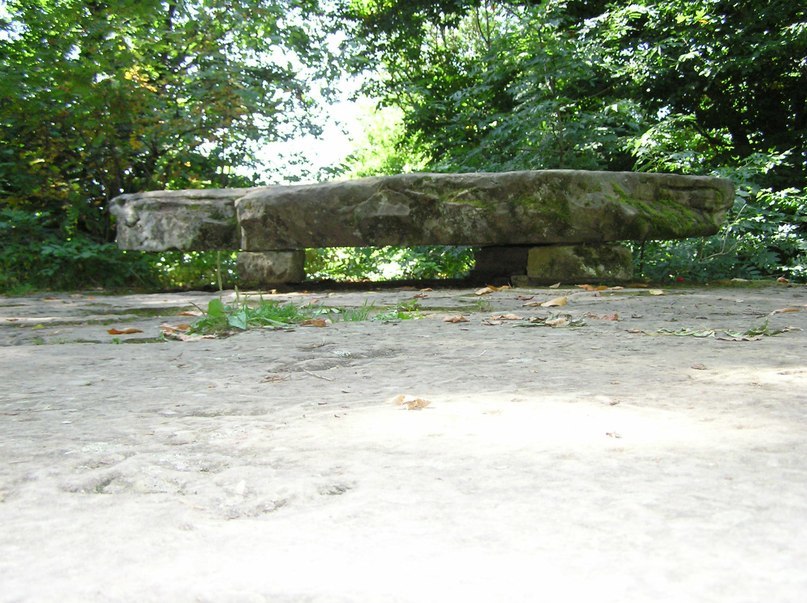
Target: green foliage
x=222, y=318
x=405, y=310
x=489, y=86
x=738, y=67
x=244, y=314
x=36, y=254
x=388, y=263
x=764, y=232
x=100, y=98
x=195, y=269
x=384, y=148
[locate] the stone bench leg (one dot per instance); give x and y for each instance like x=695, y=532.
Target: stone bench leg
x=548, y=264
x=263, y=269
x=610, y=262
x=497, y=265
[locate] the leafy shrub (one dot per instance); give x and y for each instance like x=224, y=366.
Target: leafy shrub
x=36, y=253
x=196, y=269
x=387, y=263
x=764, y=235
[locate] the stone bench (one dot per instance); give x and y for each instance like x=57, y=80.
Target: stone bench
x=547, y=225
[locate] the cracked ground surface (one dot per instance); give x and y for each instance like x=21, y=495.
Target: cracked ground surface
x=644, y=448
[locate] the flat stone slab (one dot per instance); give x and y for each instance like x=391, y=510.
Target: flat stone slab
x=488, y=209
x=512, y=208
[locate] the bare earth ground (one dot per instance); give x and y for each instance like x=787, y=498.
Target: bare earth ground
x=609, y=461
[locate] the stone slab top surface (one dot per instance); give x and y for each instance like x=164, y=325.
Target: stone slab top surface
x=479, y=209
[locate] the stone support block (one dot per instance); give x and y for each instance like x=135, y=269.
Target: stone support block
x=579, y=264
x=494, y=264
x=268, y=268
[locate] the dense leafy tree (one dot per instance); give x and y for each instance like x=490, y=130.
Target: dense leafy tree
x=736, y=66
x=497, y=85
x=480, y=72
x=98, y=98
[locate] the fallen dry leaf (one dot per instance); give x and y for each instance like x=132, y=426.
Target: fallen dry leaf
x=455, y=319
x=560, y=321
x=782, y=280
x=784, y=310
x=420, y=296
x=490, y=289
x=552, y=303
x=426, y=289
x=314, y=322
x=499, y=319
x=655, y=292
x=593, y=287
x=411, y=402
x=555, y=286
x=525, y=297
x=171, y=333
x=416, y=404
x=166, y=328
x=191, y=313
x=129, y=331
x=180, y=332
x=613, y=316
x=698, y=366
x=555, y=321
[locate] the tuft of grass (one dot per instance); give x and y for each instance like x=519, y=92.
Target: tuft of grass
x=222, y=319
x=405, y=310
x=359, y=314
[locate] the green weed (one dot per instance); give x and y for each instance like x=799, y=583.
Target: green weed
x=359, y=314
x=405, y=310
x=222, y=318
x=752, y=334
x=240, y=316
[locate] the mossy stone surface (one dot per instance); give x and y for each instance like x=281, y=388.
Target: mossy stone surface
x=497, y=209
x=481, y=209
x=579, y=263
x=186, y=220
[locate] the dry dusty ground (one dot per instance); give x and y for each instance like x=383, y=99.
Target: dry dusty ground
x=608, y=461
